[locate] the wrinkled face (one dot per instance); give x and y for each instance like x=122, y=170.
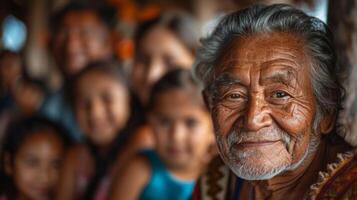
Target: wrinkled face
x=81, y=38
x=264, y=106
x=159, y=51
x=36, y=165
x=101, y=106
x=183, y=128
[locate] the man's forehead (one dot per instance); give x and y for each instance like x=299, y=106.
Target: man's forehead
x=261, y=52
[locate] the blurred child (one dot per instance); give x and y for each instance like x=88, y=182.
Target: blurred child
x=19, y=94
x=17, y=88
x=101, y=102
x=162, y=44
x=31, y=156
x=183, y=133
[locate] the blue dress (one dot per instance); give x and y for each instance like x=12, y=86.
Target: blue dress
x=162, y=185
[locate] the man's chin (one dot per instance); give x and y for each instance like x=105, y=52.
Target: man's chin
x=249, y=172
x=253, y=167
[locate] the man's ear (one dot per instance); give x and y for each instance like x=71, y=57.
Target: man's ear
x=8, y=165
x=206, y=100
x=327, y=123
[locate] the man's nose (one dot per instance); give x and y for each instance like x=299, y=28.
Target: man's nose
x=257, y=115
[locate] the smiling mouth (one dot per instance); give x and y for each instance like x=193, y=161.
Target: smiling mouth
x=254, y=144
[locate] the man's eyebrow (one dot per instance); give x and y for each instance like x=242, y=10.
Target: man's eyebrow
x=226, y=79
x=285, y=77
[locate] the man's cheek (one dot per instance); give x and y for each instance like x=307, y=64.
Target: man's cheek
x=225, y=119
x=297, y=123
x=294, y=118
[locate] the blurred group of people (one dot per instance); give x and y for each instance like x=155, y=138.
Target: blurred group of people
x=110, y=131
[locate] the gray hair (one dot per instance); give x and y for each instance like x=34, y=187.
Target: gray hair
x=278, y=18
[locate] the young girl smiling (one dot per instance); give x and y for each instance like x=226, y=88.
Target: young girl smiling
x=183, y=134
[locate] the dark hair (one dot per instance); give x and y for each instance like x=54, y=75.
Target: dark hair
x=105, y=13
x=16, y=134
x=279, y=18
x=108, y=67
x=181, y=24
x=176, y=79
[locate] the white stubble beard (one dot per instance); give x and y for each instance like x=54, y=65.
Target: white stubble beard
x=237, y=160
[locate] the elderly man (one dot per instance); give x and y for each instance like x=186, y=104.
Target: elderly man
x=272, y=88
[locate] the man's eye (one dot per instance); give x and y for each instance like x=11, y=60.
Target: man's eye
x=234, y=96
x=280, y=94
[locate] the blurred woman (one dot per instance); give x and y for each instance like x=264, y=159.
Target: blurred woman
x=162, y=44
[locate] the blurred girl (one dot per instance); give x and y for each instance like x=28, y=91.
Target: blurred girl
x=161, y=44
x=101, y=102
x=31, y=156
x=183, y=133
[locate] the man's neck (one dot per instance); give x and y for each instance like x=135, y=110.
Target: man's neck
x=293, y=184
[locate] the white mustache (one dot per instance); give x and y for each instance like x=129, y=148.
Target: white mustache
x=272, y=133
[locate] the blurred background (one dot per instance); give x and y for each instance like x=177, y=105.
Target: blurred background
x=24, y=24
x=25, y=29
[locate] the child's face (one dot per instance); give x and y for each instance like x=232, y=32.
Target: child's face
x=101, y=106
x=182, y=127
x=36, y=165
